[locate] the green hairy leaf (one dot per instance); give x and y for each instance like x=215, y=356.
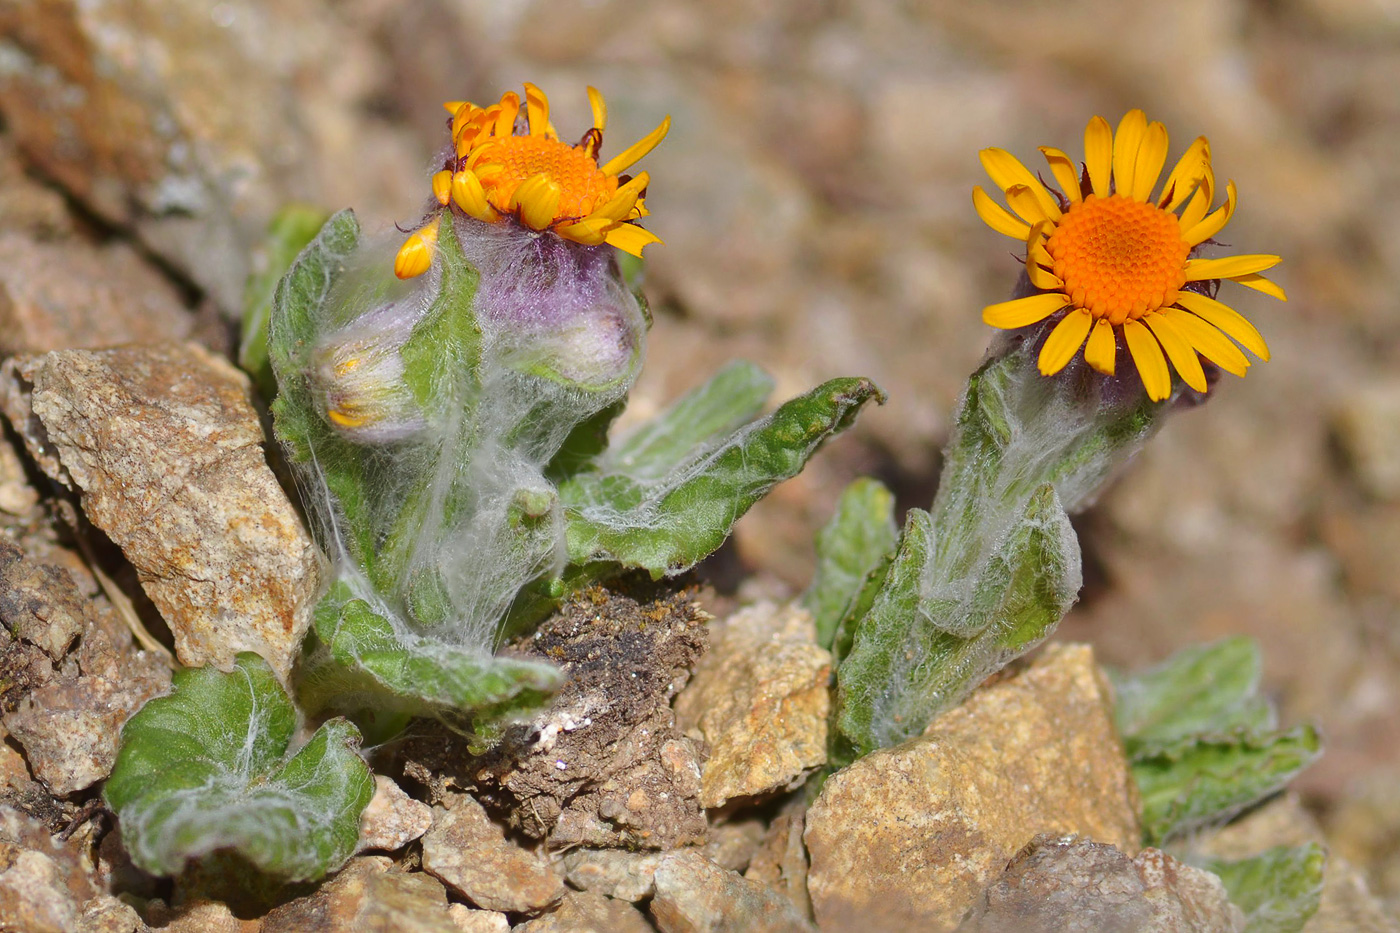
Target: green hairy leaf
x=1279, y=890
x=1026, y=587
x=1200, y=690
x=853, y=544
x=208, y=769
x=988, y=572
x=1202, y=742
x=292, y=228
x=665, y=505
x=360, y=663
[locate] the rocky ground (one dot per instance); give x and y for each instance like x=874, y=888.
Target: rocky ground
x=813, y=196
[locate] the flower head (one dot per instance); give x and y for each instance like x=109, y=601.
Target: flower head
x=1108, y=258
x=502, y=166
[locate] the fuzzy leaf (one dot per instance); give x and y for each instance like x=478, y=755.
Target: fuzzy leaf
x=361, y=663
x=668, y=510
x=1278, y=890
x=858, y=538
x=1208, y=779
x=207, y=769
x=1200, y=690
x=292, y=228
x=1027, y=585
x=987, y=573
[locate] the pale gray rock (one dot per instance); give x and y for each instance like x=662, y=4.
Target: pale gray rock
x=1064, y=884
x=907, y=837
x=393, y=819
x=471, y=855
x=760, y=699
x=166, y=450
x=367, y=896
x=617, y=873
x=694, y=894
x=107, y=914
x=478, y=921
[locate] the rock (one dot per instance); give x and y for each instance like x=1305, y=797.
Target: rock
x=615, y=873
x=478, y=921
x=1066, y=884
x=693, y=893
x=393, y=819
x=44, y=881
x=731, y=845
x=580, y=912
x=107, y=914
x=781, y=859
x=166, y=450
x=16, y=495
x=471, y=855
x=120, y=107
x=198, y=916
x=603, y=765
x=57, y=296
x=368, y=895
x=1368, y=426
x=907, y=837
x=67, y=709
x=761, y=700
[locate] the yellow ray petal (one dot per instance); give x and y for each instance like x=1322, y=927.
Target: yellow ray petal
x=1213, y=223
x=1228, y=267
x=1039, y=260
x=1147, y=356
x=589, y=231
x=1179, y=350
x=1101, y=352
x=455, y=105
x=998, y=217
x=1064, y=341
x=630, y=238
x=537, y=198
x=537, y=108
x=1227, y=319
x=1023, y=311
x=1042, y=278
x=1186, y=175
x=600, y=109
x=1199, y=204
x=620, y=205
x=1098, y=154
x=1007, y=171
x=634, y=153
x=1151, y=157
x=442, y=187
x=510, y=109
x=468, y=195
x=1127, y=141
x=416, y=255
x=1065, y=172
x=1024, y=202
x=1259, y=283
x=1208, y=341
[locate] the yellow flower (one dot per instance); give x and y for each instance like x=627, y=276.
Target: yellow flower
x=500, y=168
x=1111, y=259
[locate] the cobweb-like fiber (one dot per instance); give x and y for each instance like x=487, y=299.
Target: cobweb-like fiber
x=472, y=376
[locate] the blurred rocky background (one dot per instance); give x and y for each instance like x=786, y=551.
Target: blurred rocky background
x=814, y=199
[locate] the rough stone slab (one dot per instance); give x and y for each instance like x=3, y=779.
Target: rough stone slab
x=781, y=859
x=59, y=296
x=1064, y=884
x=907, y=837
x=761, y=700
x=478, y=921
x=44, y=881
x=471, y=855
x=368, y=896
x=693, y=893
x=581, y=912
x=393, y=819
x=166, y=450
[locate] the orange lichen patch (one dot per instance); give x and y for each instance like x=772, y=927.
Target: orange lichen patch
x=504, y=167
x=1110, y=258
